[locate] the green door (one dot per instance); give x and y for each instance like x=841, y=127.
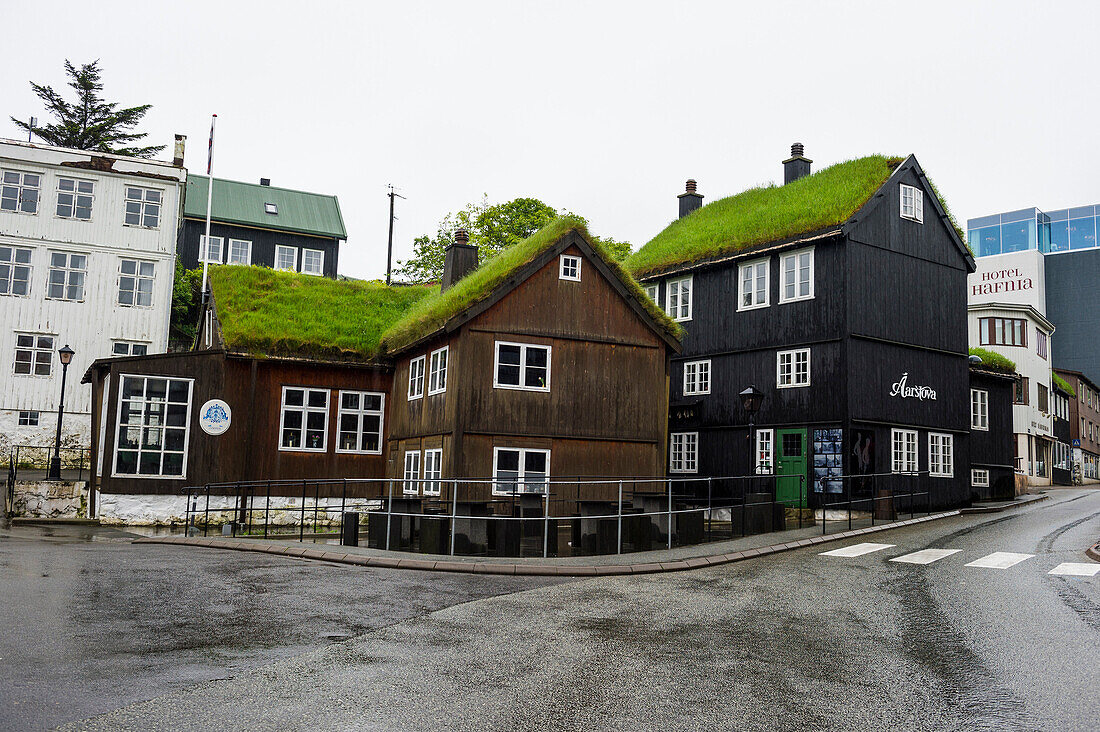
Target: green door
x=790, y=487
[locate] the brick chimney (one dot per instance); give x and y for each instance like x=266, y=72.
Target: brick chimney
x=459, y=260
x=689, y=199
x=797, y=166
x=177, y=150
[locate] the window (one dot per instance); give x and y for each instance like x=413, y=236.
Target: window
x=240, y=251
x=416, y=378
x=979, y=478
x=683, y=453
x=128, y=348
x=33, y=354
x=904, y=454
x=286, y=258
x=912, y=203
x=143, y=207
x=1022, y=390
x=1044, y=399
x=28, y=419
x=678, y=299
x=313, y=261
x=360, y=422
x=1002, y=331
x=941, y=461
x=304, y=423
x=135, y=283
x=74, y=198
x=979, y=409
x=433, y=471
x=793, y=368
x=753, y=278
x=652, y=292
x=412, y=472
x=211, y=251
x=765, y=455
x=437, y=375
x=1041, y=343
x=520, y=470
x=697, y=377
x=15, y=271
x=797, y=271
x=522, y=366
x=66, y=276
x=19, y=191
x=271, y=208
x=153, y=417
x=569, y=268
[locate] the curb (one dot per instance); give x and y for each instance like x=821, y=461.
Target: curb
x=341, y=556
x=1093, y=552
x=998, y=509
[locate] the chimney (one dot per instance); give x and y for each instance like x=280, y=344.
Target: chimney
x=265, y=181
x=459, y=260
x=797, y=166
x=177, y=150
x=689, y=199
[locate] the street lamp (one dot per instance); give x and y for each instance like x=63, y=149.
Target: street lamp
x=66, y=355
x=750, y=402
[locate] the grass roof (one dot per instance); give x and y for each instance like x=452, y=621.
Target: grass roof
x=271, y=313
x=993, y=361
x=432, y=313
x=1063, y=384
x=760, y=215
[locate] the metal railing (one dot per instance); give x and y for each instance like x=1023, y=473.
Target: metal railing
x=884, y=507
x=32, y=462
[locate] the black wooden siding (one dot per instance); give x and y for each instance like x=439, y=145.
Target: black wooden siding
x=263, y=244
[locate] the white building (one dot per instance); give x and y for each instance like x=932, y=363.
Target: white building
x=87, y=259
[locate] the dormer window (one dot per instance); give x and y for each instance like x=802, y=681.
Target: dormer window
x=912, y=203
x=271, y=208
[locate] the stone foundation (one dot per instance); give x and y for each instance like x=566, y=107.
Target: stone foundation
x=51, y=499
x=152, y=510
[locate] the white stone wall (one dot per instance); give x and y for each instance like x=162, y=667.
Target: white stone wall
x=50, y=499
x=146, y=510
x=75, y=431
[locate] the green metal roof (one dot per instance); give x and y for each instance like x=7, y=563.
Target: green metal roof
x=243, y=204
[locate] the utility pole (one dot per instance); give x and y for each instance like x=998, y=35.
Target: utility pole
x=389, y=248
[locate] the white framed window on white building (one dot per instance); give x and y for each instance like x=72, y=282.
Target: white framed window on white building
x=74, y=198
x=313, y=261
x=433, y=471
x=652, y=292
x=303, y=424
x=15, y=271
x=286, y=258
x=678, y=298
x=19, y=191
x=752, y=285
x=979, y=477
x=437, y=371
x=416, y=378
x=792, y=368
x=569, y=267
x=34, y=354
x=29, y=418
x=941, y=455
x=359, y=422
x=521, y=366
x=796, y=272
x=979, y=409
x=411, y=485
x=520, y=470
x=903, y=452
x=683, y=452
x=765, y=452
x=240, y=252
x=154, y=417
x=912, y=203
x=68, y=271
x=697, y=377
x=142, y=207
x=135, y=283
x=211, y=251
x=129, y=348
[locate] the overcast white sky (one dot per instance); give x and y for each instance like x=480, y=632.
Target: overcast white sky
x=601, y=108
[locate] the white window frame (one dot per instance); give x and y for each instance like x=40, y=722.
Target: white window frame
x=204, y=249
x=437, y=375
x=653, y=292
x=941, y=455
x=569, y=267
x=144, y=424
x=979, y=409
x=433, y=471
x=29, y=417
x=794, y=355
x=416, y=378
x=68, y=271
x=142, y=206
x=521, y=478
x=14, y=266
x=683, y=452
x=138, y=278
x=697, y=377
x=306, y=410
x=979, y=477
x=129, y=346
x=35, y=350
x=77, y=196
x=914, y=209
x=523, y=348
x=410, y=485
x=229, y=258
x=320, y=269
x=753, y=269
x=20, y=187
x=908, y=461
x=674, y=290
x=764, y=457
x=284, y=247
x=271, y=208
x=359, y=414
x=797, y=257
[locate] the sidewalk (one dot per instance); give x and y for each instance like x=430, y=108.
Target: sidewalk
x=664, y=560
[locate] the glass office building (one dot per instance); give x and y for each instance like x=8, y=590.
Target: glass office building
x=1050, y=232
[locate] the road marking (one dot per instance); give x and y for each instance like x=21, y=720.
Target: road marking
x=1000, y=560
x=926, y=556
x=1077, y=569
x=856, y=550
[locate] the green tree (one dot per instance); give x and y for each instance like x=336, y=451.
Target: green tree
x=186, y=301
x=89, y=123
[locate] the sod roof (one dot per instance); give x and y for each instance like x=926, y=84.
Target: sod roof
x=767, y=214
x=993, y=361
x=1063, y=385
x=269, y=313
x=432, y=314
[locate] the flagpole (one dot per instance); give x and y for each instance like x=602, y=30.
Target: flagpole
x=204, y=248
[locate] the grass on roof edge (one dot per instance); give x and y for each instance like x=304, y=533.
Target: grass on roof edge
x=993, y=361
x=432, y=313
x=1063, y=384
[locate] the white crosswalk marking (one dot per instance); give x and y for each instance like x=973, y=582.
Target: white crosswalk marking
x=1076, y=569
x=1000, y=560
x=926, y=556
x=856, y=550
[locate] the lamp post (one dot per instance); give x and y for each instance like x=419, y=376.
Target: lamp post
x=66, y=355
x=750, y=402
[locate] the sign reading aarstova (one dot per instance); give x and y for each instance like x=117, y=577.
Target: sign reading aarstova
x=902, y=390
